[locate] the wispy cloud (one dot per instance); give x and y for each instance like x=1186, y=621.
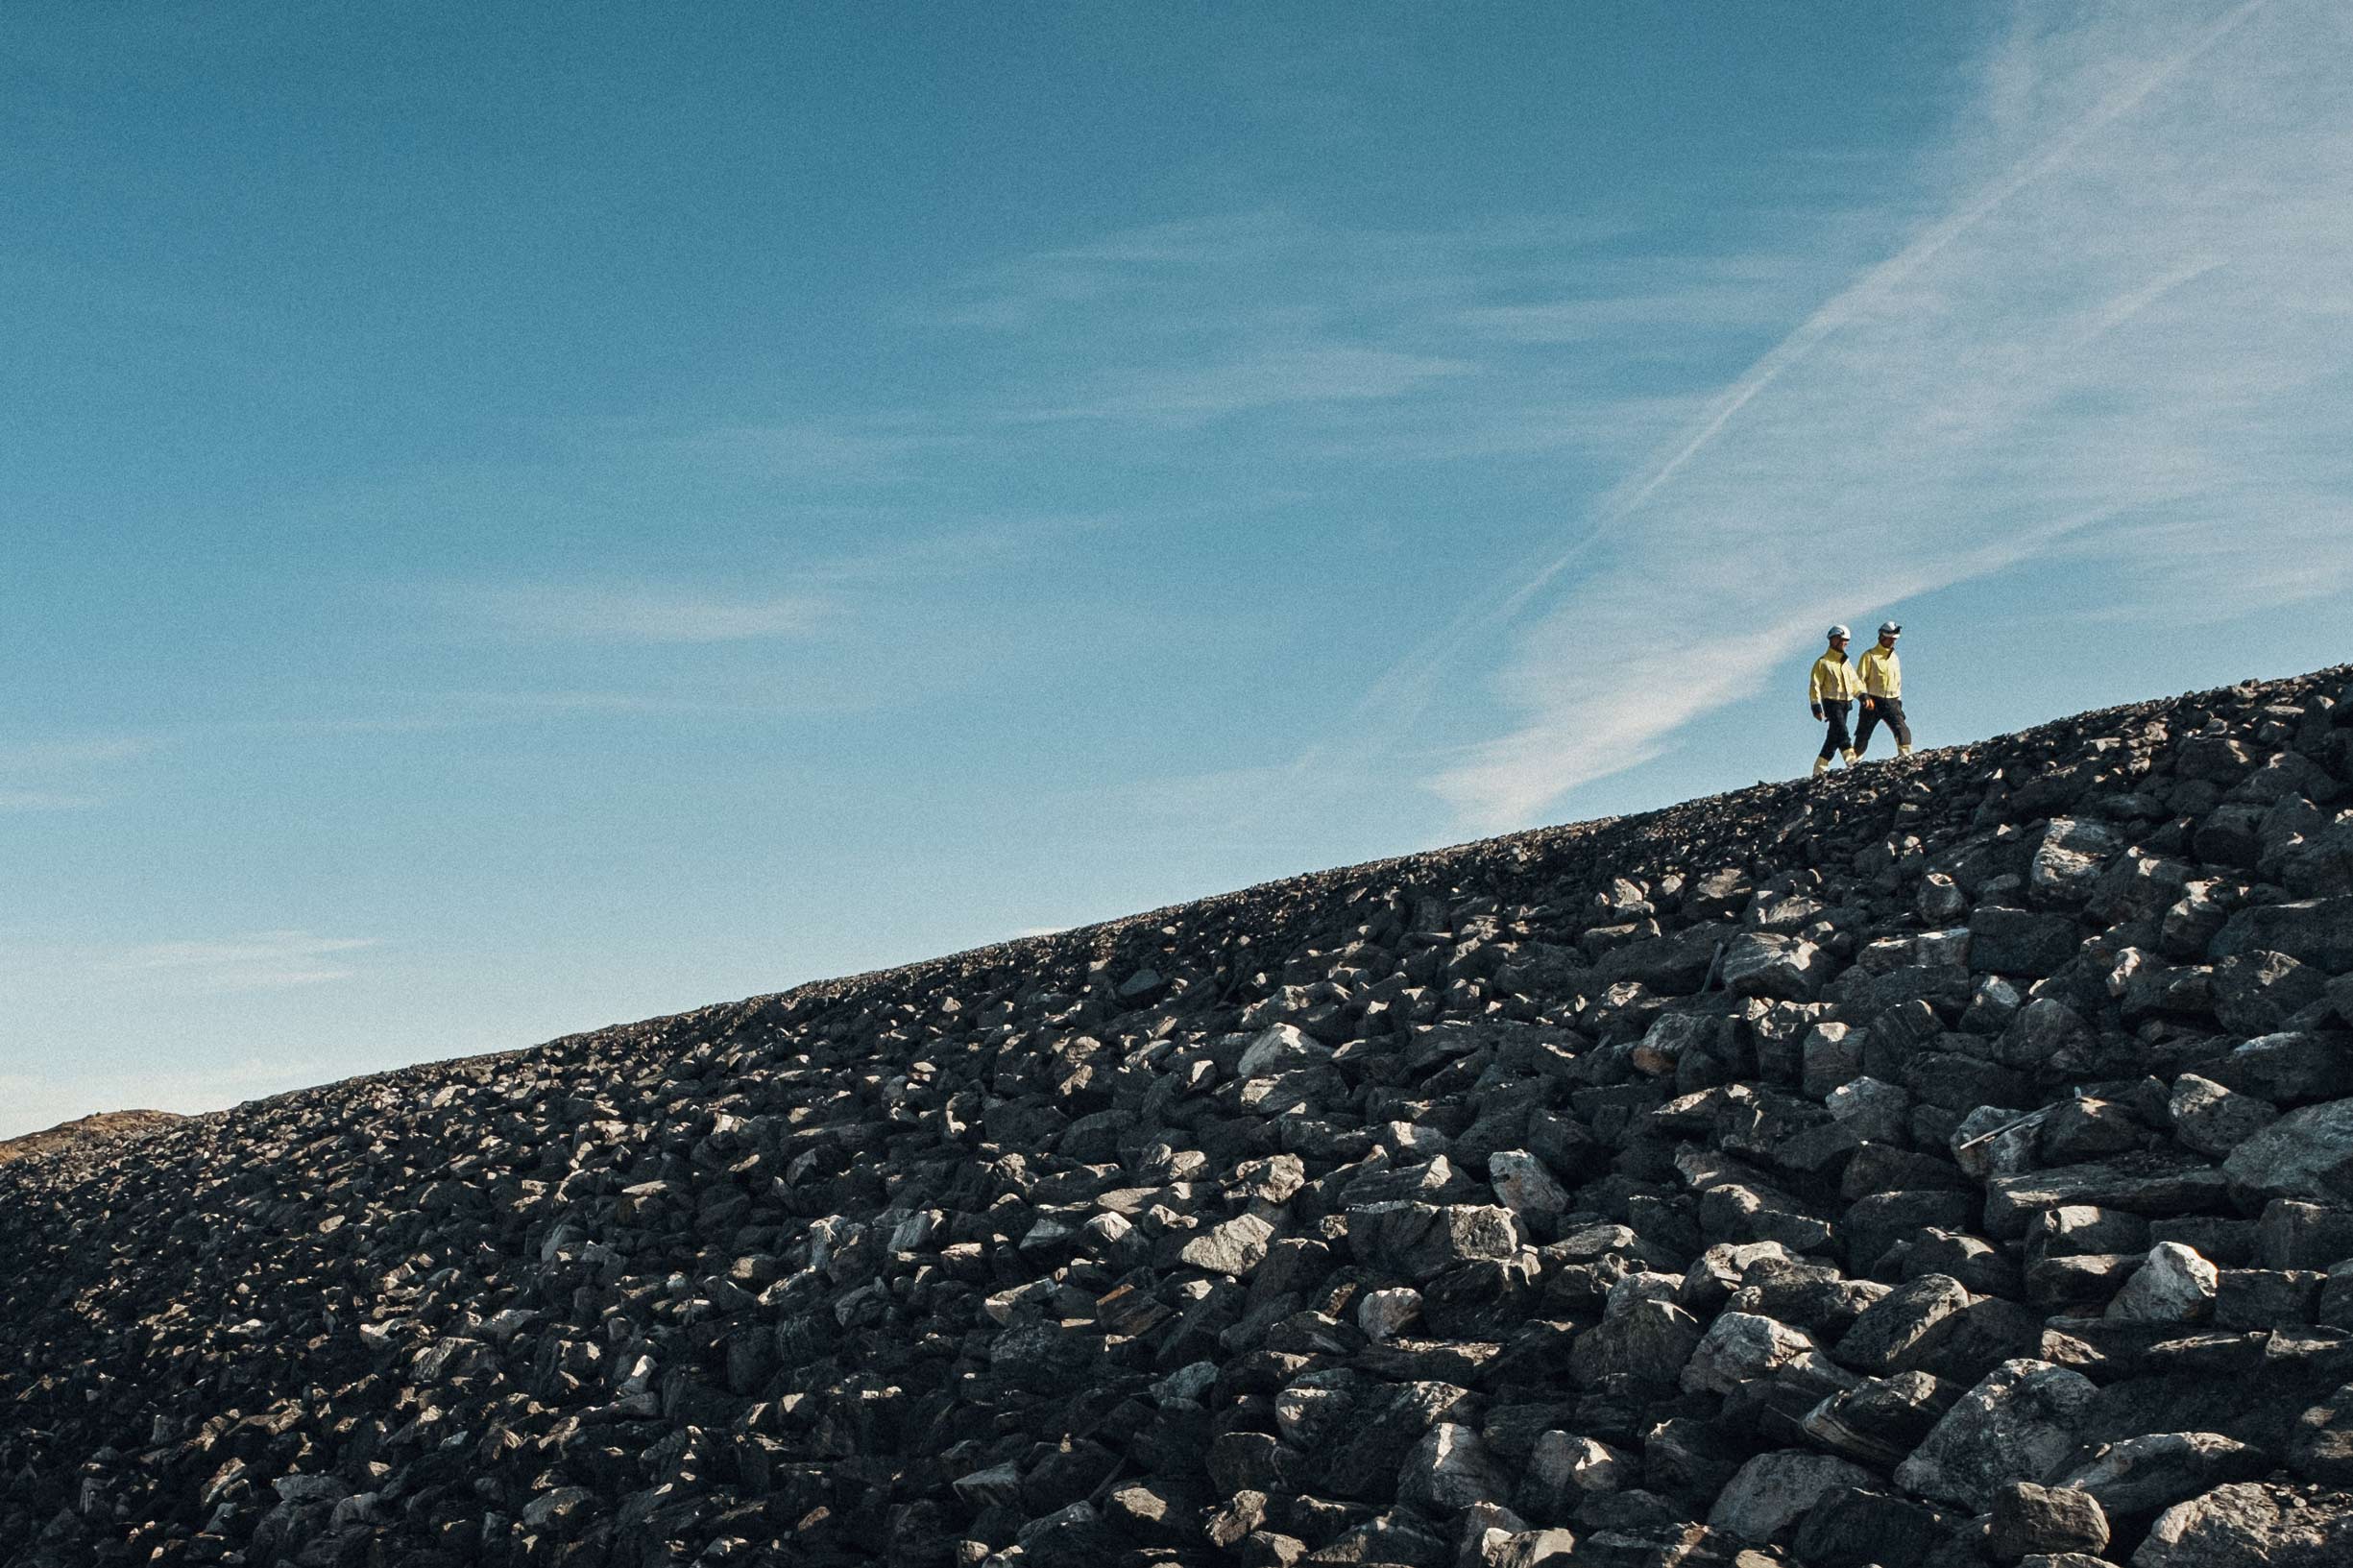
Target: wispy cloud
x=878, y=452
x=1308, y=372
x=633, y=614
x=42, y=756
x=2125, y=337
x=43, y=800
x=257, y=961
x=1704, y=304
x=31, y=771
x=1303, y=326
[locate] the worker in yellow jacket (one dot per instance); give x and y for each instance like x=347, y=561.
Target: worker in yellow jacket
x=1880, y=674
x=1830, y=691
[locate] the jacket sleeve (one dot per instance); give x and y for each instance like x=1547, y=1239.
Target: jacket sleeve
x=1813, y=685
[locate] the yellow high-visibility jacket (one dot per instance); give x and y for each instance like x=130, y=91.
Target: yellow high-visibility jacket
x=1834, y=680
x=1881, y=672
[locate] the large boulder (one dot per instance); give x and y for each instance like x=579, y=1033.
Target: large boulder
x=2016, y=1424
x=2306, y=1154
x=2250, y=1525
x=2021, y=942
x=1762, y=964
x=2140, y=1476
x=2174, y=1284
x=2316, y=931
x=1421, y=1240
x=1768, y=1496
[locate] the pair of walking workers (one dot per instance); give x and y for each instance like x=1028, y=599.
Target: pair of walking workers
x=1875, y=679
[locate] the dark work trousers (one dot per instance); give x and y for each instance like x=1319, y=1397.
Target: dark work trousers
x=1889, y=709
x=1836, y=740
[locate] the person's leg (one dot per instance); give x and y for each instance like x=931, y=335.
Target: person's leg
x=1866, y=722
x=1837, y=739
x=1902, y=729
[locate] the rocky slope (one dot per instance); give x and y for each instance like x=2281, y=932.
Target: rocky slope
x=1947, y=1162
x=105, y=1124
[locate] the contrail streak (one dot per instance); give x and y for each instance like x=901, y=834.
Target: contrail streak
x=1404, y=692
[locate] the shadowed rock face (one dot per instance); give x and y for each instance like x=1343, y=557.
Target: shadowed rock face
x=1771, y=1175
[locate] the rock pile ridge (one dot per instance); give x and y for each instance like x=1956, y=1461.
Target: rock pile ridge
x=1945, y=1163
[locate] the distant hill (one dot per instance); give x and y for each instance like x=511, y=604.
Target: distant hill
x=105, y=1124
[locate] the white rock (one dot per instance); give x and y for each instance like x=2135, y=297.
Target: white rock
x=1449, y=1468
x=2173, y=1285
x=1565, y=1459
x=1234, y=1247
x=1384, y=1314
x=1279, y=1049
x=1523, y=1185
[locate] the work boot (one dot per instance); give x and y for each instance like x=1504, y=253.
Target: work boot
x=1822, y=766
x=1851, y=756
x=1904, y=750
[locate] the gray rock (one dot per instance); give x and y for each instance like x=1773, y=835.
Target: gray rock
x=2156, y=1183
x=2294, y=1235
x=1450, y=1469
x=1866, y=1528
x=1832, y=1055
x=2068, y=861
x=1398, y=1536
x=2015, y=1425
x=1725, y=1269
x=1421, y=1241
x=2257, y=992
x=2213, y=1120
x=1650, y=1342
x=2264, y=1298
x=2139, y=1476
x=2317, y=932
x=2306, y=1154
x=2174, y=1284
x=2320, y=1449
x=1762, y=964
x=1523, y=1185
x=1384, y=1314
x=1740, y=1348
x=1553, y=1548
x=2250, y=1524
x=1900, y=1331
x=2293, y=1067
x=1768, y=1496
x=1878, y=1111
x=2044, y=1028
x=2027, y=1518
x=1365, y=1449
x=1234, y=1247
x=1571, y=1465
x=2018, y=942
x=1879, y=1421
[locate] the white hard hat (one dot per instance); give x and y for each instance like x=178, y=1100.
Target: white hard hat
x=1840, y=631
x=1888, y=628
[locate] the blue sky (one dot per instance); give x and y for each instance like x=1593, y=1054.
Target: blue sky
x=521, y=517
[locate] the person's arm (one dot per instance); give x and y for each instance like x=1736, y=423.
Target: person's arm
x=1813, y=689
